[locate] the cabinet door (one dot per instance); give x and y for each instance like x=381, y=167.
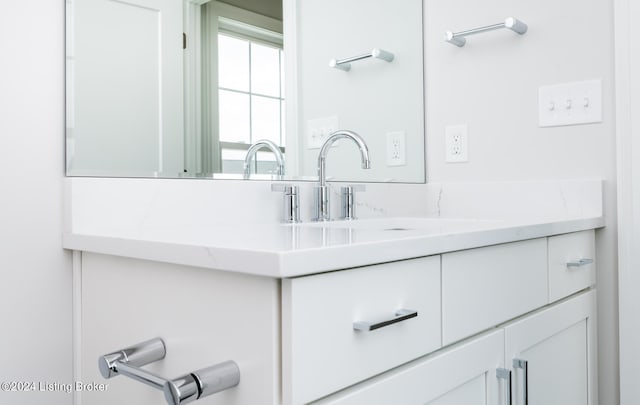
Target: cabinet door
x=464, y=374
x=554, y=353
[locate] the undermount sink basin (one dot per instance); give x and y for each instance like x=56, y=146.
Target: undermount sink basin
x=406, y=224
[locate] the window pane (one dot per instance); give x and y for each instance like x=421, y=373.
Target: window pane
x=265, y=70
x=233, y=63
x=265, y=120
x=265, y=155
x=233, y=154
x=234, y=116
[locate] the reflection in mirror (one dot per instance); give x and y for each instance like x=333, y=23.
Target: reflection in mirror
x=184, y=88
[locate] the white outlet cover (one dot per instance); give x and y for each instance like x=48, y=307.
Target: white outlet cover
x=456, y=144
x=396, y=149
x=570, y=103
x=318, y=130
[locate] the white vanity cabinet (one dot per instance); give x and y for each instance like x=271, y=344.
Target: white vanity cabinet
x=557, y=344
x=442, y=327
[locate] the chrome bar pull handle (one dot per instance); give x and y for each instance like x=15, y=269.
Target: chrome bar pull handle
x=401, y=315
x=505, y=374
x=579, y=262
x=178, y=391
x=524, y=365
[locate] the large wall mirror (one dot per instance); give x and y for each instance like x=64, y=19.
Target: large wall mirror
x=184, y=88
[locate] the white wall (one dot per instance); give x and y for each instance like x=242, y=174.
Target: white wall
x=491, y=85
x=35, y=290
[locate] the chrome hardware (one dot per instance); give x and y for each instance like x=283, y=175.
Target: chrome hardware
x=579, y=262
x=348, y=201
x=291, y=208
x=322, y=191
x=457, y=38
x=251, y=154
x=524, y=365
x=401, y=315
x=505, y=374
x=181, y=390
x=345, y=64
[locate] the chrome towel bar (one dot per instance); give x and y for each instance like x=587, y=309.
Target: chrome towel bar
x=457, y=38
x=181, y=390
x=345, y=64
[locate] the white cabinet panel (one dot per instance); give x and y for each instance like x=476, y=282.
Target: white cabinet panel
x=204, y=317
x=472, y=392
x=462, y=375
x=322, y=352
x=569, y=268
x=487, y=286
x=558, y=345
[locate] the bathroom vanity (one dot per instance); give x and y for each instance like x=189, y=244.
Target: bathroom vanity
x=373, y=311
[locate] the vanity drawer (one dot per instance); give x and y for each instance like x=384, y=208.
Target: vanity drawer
x=322, y=351
x=571, y=263
x=487, y=286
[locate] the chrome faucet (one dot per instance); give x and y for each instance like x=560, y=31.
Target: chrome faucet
x=322, y=198
x=251, y=154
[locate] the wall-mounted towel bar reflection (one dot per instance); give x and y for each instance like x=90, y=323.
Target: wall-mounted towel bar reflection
x=345, y=64
x=457, y=38
x=181, y=390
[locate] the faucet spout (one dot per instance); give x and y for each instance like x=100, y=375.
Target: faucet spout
x=251, y=154
x=322, y=206
x=333, y=138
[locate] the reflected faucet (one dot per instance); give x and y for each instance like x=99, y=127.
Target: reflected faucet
x=251, y=154
x=322, y=202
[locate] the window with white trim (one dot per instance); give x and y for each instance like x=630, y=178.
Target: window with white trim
x=250, y=93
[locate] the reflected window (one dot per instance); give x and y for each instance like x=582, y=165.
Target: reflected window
x=250, y=95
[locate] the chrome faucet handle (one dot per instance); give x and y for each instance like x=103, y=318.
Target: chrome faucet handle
x=291, y=206
x=321, y=195
x=348, y=200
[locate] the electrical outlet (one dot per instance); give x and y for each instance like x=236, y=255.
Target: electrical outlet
x=456, y=144
x=396, y=149
x=318, y=131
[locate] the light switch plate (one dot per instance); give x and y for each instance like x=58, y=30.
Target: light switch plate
x=318, y=131
x=570, y=103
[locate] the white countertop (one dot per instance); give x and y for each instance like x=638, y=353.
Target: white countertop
x=282, y=250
